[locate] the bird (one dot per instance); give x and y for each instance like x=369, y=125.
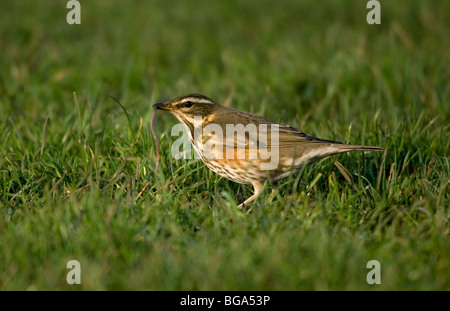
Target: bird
x=247, y=148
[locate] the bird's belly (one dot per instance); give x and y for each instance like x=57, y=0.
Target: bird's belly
x=240, y=168
x=245, y=166
x=240, y=171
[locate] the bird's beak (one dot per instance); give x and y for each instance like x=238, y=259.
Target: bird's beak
x=162, y=106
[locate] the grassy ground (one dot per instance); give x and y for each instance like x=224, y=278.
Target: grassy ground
x=72, y=161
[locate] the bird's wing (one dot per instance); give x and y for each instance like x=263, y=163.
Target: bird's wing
x=252, y=132
x=291, y=137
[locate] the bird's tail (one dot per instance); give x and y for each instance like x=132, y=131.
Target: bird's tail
x=340, y=147
x=345, y=148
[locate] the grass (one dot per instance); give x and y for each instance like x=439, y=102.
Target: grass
x=73, y=161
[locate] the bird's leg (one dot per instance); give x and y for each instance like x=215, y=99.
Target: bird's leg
x=258, y=186
x=275, y=186
x=271, y=195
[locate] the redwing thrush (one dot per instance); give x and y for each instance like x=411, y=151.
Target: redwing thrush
x=247, y=148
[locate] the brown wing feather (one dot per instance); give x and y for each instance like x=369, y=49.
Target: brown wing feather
x=290, y=139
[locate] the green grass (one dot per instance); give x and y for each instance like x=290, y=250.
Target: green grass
x=72, y=161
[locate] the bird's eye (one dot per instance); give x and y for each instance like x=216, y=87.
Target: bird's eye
x=188, y=104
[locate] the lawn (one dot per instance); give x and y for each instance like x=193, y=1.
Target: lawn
x=76, y=148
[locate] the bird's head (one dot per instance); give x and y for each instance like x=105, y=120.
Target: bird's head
x=186, y=107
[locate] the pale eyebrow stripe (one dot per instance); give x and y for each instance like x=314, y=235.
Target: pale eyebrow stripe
x=197, y=100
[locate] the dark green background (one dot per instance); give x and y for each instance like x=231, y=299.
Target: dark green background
x=72, y=161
